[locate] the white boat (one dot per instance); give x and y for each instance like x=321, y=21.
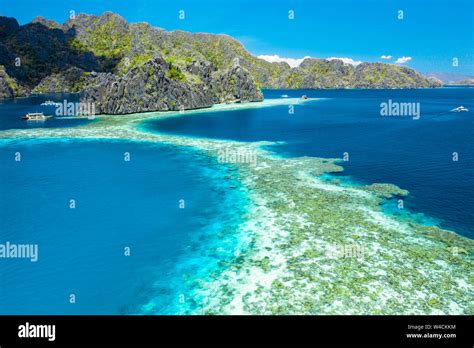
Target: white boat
x=460, y=109
x=35, y=116
x=284, y=95
x=49, y=103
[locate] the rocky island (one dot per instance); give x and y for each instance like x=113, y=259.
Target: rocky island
x=126, y=68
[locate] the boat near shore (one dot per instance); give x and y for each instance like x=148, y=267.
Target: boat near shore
x=35, y=116
x=304, y=97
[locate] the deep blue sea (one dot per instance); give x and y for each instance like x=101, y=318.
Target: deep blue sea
x=416, y=155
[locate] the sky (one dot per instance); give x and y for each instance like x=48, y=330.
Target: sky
x=430, y=35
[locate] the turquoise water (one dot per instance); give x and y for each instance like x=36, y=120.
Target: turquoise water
x=413, y=154
x=119, y=204
x=135, y=204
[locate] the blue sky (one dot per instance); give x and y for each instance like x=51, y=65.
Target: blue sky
x=432, y=32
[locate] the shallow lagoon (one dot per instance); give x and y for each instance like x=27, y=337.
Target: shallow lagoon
x=119, y=204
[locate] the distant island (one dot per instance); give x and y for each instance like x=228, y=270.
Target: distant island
x=451, y=79
x=126, y=68
x=467, y=82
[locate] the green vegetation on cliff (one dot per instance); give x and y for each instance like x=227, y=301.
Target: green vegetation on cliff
x=8, y=86
x=107, y=43
x=131, y=42
x=174, y=74
x=106, y=36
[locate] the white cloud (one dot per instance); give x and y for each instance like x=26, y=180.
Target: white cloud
x=386, y=57
x=402, y=60
x=346, y=60
x=293, y=62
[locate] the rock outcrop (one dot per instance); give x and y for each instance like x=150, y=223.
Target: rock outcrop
x=235, y=85
x=8, y=26
x=323, y=73
x=157, y=85
x=8, y=86
x=72, y=80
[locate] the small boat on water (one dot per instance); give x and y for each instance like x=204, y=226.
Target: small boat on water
x=304, y=97
x=460, y=109
x=35, y=116
x=284, y=95
x=49, y=103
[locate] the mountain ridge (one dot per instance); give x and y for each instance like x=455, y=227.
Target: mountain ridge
x=65, y=57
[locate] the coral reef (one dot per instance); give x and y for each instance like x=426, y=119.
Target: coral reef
x=310, y=246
